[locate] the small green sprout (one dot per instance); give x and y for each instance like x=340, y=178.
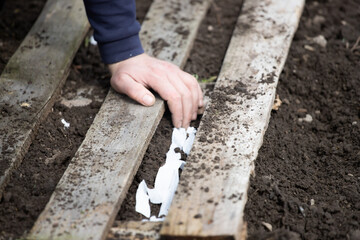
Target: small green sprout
x=205, y=80
x=86, y=41
x=208, y=80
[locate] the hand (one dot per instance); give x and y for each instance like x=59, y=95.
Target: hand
x=182, y=92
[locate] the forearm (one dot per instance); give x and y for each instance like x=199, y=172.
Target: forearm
x=115, y=28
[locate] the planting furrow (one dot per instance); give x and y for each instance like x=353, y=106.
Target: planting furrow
x=88, y=196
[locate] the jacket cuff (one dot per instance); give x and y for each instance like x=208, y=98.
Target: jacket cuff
x=117, y=51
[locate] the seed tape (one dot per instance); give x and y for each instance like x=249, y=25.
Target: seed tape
x=167, y=178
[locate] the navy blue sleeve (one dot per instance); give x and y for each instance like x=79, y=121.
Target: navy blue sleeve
x=115, y=28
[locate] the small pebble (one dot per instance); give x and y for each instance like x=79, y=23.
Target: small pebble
x=302, y=110
x=312, y=202
x=268, y=226
x=25, y=105
x=76, y=102
x=310, y=48
x=317, y=112
x=317, y=20
x=320, y=40
x=302, y=210
x=315, y=4
x=286, y=101
x=354, y=123
x=210, y=28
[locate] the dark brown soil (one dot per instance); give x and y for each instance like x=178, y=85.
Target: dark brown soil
x=307, y=183
x=16, y=19
x=205, y=61
x=213, y=39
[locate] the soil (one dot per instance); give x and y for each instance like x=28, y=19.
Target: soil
x=16, y=19
x=307, y=182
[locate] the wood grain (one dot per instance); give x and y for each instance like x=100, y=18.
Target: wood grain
x=89, y=194
x=34, y=76
x=133, y=230
x=212, y=191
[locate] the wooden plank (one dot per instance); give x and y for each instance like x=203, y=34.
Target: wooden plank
x=34, y=76
x=213, y=188
x=89, y=195
x=132, y=230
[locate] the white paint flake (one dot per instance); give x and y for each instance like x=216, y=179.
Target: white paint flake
x=66, y=124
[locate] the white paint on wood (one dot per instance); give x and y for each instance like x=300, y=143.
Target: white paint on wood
x=213, y=187
x=34, y=76
x=88, y=196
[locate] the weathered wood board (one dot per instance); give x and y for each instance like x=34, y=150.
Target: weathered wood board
x=212, y=191
x=34, y=76
x=133, y=230
x=89, y=194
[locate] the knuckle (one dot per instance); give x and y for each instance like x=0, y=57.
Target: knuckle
x=119, y=78
x=186, y=94
x=194, y=84
x=175, y=98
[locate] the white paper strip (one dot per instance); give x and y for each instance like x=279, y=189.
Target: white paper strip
x=167, y=178
x=142, y=200
x=189, y=141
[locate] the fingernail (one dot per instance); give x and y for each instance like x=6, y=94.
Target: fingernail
x=148, y=100
x=201, y=102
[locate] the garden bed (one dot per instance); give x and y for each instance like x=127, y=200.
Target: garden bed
x=307, y=173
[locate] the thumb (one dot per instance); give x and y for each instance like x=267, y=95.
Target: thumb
x=123, y=83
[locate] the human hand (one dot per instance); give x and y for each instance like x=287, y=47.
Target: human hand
x=182, y=92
